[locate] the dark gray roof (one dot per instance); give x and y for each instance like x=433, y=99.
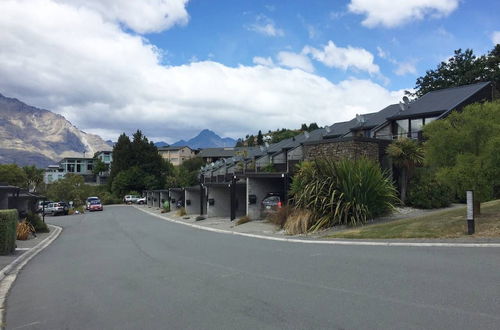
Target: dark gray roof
x=217, y=152
x=341, y=129
x=294, y=142
x=227, y=152
x=375, y=119
x=440, y=101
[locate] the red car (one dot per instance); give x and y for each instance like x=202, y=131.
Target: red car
x=95, y=205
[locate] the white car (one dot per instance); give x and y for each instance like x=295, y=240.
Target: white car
x=141, y=200
x=128, y=199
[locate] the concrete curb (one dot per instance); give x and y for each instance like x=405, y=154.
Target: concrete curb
x=330, y=242
x=9, y=273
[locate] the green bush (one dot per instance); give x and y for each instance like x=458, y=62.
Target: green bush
x=108, y=198
x=426, y=192
x=344, y=192
x=37, y=223
x=8, y=224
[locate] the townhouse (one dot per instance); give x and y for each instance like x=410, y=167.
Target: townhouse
x=237, y=180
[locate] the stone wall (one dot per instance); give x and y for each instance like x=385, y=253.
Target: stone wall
x=339, y=149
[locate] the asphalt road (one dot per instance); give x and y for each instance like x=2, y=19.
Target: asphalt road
x=124, y=269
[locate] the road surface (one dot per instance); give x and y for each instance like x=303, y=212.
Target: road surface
x=124, y=269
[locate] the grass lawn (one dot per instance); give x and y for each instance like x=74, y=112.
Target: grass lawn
x=444, y=224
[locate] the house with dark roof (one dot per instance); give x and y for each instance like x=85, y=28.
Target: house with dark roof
x=236, y=180
x=412, y=116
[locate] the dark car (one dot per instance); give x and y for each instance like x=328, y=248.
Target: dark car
x=271, y=204
x=95, y=205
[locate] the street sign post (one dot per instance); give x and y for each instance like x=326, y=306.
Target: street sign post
x=470, y=212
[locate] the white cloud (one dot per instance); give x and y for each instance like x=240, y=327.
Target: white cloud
x=266, y=26
x=390, y=13
x=266, y=61
x=402, y=68
x=75, y=62
x=295, y=61
x=141, y=16
x=382, y=53
x=405, y=68
x=343, y=58
x=495, y=37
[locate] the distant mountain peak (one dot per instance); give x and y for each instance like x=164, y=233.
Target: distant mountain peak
x=206, y=139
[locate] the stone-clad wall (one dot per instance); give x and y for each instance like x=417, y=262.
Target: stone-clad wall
x=351, y=149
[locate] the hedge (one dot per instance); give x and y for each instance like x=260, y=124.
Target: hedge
x=8, y=224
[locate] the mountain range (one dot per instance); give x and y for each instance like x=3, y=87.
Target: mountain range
x=33, y=136
x=205, y=139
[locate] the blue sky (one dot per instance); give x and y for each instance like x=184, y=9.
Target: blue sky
x=174, y=67
x=221, y=31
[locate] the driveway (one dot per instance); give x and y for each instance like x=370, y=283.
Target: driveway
x=124, y=269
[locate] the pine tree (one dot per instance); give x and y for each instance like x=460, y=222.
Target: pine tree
x=260, y=139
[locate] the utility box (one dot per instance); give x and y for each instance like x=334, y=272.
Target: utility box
x=252, y=199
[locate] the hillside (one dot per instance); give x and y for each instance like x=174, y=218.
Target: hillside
x=29, y=135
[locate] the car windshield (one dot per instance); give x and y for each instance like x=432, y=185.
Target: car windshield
x=95, y=202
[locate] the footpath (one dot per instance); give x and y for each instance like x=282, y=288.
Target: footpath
x=10, y=265
x=265, y=230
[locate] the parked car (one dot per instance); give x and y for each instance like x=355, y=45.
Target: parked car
x=128, y=199
x=271, y=204
x=41, y=205
x=95, y=205
x=87, y=203
x=58, y=208
x=141, y=200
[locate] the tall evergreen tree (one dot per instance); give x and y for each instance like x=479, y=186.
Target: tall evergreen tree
x=122, y=152
x=312, y=127
x=260, y=138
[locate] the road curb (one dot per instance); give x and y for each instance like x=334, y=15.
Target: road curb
x=9, y=273
x=330, y=242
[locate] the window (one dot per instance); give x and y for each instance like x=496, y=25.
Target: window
x=401, y=128
x=415, y=127
x=106, y=158
x=429, y=120
x=90, y=166
x=71, y=167
x=78, y=168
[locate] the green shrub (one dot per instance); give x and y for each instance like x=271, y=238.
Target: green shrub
x=344, y=192
x=426, y=192
x=37, y=223
x=8, y=224
x=108, y=198
x=268, y=168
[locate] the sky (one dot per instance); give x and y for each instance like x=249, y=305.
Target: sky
x=174, y=67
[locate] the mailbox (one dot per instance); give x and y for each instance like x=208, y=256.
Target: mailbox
x=188, y=202
x=252, y=199
x=211, y=201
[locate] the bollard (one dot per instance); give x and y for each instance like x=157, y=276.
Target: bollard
x=470, y=212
